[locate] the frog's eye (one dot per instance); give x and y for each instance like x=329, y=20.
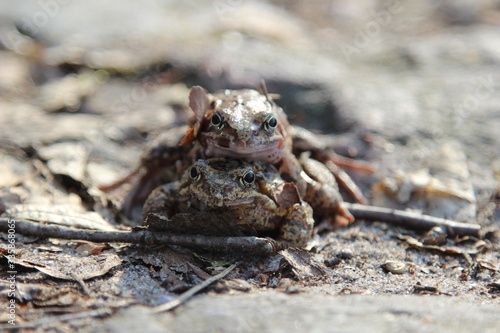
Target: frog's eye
x=195, y=173
x=270, y=124
x=217, y=121
x=248, y=178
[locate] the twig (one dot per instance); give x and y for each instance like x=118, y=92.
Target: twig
x=72, y=316
x=191, y=292
x=412, y=219
x=257, y=245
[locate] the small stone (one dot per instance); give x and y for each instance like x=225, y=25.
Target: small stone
x=345, y=254
x=332, y=262
x=395, y=267
x=435, y=236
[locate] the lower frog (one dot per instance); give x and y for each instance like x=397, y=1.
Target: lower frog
x=231, y=197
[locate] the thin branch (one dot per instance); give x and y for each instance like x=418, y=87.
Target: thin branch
x=260, y=246
x=191, y=292
x=63, y=318
x=413, y=220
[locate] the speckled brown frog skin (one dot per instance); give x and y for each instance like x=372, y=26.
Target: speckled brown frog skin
x=242, y=195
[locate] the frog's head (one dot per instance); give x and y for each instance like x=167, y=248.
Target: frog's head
x=238, y=124
x=219, y=182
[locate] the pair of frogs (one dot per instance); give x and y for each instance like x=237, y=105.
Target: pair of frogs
x=238, y=172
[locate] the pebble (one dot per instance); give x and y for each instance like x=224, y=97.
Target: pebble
x=395, y=267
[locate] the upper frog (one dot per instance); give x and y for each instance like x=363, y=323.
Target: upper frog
x=238, y=124
x=231, y=197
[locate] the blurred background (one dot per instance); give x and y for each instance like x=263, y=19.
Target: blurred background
x=90, y=80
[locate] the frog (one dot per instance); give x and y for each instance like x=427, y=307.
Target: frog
x=245, y=124
x=249, y=124
x=231, y=197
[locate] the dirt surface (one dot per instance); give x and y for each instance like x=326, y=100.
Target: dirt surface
x=413, y=88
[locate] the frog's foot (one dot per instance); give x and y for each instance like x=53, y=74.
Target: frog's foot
x=347, y=163
x=344, y=214
x=342, y=178
x=120, y=182
x=318, y=148
x=322, y=190
x=346, y=182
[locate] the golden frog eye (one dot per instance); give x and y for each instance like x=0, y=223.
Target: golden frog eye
x=195, y=173
x=270, y=124
x=248, y=178
x=217, y=121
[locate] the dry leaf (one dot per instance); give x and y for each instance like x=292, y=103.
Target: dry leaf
x=444, y=188
x=69, y=266
x=302, y=262
x=287, y=195
x=88, y=248
x=444, y=249
x=65, y=215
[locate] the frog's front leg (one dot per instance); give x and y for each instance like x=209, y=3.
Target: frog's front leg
x=297, y=216
x=298, y=226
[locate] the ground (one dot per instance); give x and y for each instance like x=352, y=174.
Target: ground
x=410, y=87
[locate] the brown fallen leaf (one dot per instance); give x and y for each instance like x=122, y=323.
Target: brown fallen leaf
x=444, y=187
x=171, y=282
x=303, y=263
x=287, y=194
x=69, y=266
x=487, y=265
x=65, y=215
x=444, y=249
